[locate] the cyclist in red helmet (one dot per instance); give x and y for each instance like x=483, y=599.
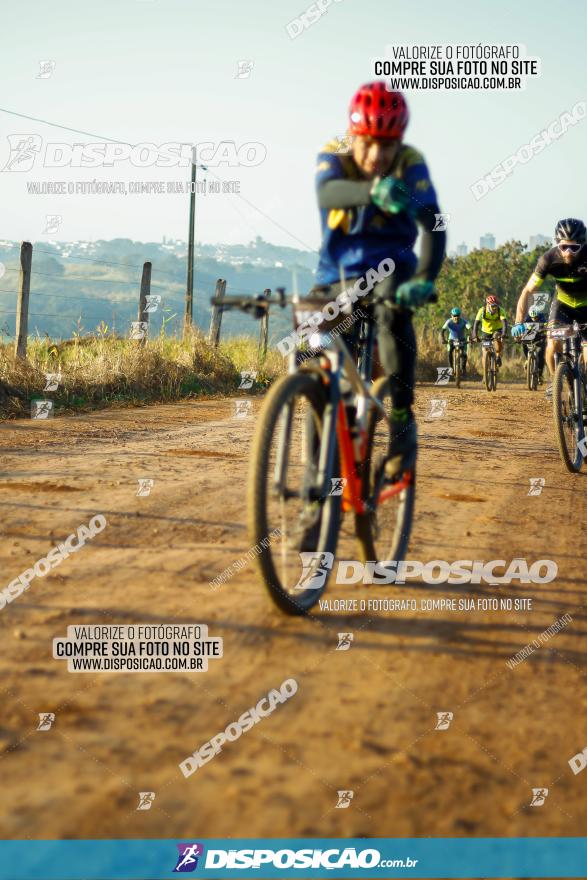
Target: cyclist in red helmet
x=493, y=322
x=374, y=192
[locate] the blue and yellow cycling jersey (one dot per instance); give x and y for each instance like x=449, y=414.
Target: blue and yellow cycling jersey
x=359, y=238
x=456, y=329
x=490, y=323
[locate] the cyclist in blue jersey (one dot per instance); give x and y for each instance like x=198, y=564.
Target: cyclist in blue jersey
x=455, y=328
x=374, y=196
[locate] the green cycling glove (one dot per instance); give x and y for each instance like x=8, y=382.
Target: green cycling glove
x=390, y=195
x=413, y=294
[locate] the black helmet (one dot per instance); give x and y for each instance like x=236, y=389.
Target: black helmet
x=570, y=230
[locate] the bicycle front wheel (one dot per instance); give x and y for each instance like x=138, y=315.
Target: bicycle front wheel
x=566, y=417
x=458, y=368
x=487, y=377
x=293, y=530
x=384, y=532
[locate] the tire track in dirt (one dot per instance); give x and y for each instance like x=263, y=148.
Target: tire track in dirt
x=362, y=719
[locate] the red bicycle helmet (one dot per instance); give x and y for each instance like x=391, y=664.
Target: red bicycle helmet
x=492, y=300
x=376, y=112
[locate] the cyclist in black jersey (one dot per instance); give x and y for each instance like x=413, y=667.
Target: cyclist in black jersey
x=566, y=262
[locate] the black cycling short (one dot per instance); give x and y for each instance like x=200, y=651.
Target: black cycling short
x=484, y=335
x=561, y=313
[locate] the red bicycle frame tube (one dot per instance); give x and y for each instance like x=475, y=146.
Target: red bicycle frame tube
x=352, y=491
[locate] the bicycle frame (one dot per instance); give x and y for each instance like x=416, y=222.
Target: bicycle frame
x=338, y=361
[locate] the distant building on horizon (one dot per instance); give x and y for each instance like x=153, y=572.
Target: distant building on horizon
x=487, y=241
x=462, y=249
x=537, y=241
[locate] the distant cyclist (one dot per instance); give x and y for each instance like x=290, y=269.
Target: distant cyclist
x=455, y=328
x=373, y=194
x=534, y=316
x=566, y=262
x=491, y=319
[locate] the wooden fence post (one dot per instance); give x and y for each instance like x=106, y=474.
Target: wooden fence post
x=216, y=320
x=264, y=330
x=144, y=293
x=22, y=304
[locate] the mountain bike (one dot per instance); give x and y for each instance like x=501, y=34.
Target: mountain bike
x=489, y=360
x=457, y=358
x=569, y=396
x=319, y=451
x=533, y=340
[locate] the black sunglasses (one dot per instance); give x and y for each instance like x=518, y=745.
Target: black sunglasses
x=570, y=248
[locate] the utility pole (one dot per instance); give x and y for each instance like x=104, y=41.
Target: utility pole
x=189, y=293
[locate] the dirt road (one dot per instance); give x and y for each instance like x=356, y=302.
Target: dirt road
x=363, y=719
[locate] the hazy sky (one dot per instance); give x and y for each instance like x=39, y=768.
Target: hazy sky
x=165, y=70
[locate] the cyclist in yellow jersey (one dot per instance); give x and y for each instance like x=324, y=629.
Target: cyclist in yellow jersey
x=491, y=318
x=567, y=263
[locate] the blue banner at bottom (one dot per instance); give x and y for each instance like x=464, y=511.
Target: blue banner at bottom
x=304, y=858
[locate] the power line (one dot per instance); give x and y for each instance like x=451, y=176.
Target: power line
x=126, y=143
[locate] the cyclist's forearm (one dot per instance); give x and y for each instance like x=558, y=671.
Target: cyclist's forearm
x=432, y=247
x=522, y=307
x=344, y=194
x=475, y=328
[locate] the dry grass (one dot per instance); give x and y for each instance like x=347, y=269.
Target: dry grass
x=104, y=370
x=101, y=370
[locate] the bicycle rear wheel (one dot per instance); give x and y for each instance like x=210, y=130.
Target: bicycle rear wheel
x=383, y=533
x=531, y=372
x=294, y=531
x=566, y=417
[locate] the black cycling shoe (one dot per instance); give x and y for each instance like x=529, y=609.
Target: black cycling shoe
x=403, y=450
x=498, y=361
